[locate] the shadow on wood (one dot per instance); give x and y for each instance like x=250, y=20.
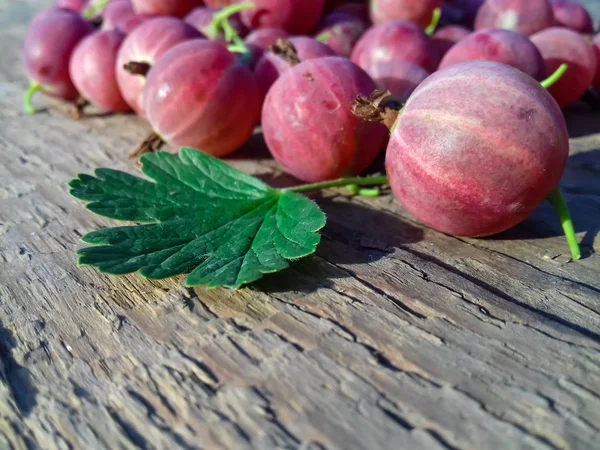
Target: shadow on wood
x=544, y=223
x=589, y=160
x=354, y=234
x=254, y=149
x=16, y=377
x=583, y=119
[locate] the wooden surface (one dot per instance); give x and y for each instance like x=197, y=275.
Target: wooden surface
x=392, y=337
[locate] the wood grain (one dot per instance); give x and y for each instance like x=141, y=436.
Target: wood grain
x=392, y=336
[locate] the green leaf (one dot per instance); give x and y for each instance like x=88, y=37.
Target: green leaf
x=198, y=215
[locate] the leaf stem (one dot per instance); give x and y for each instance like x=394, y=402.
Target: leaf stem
x=557, y=75
x=435, y=20
x=27, y=106
x=342, y=182
x=558, y=201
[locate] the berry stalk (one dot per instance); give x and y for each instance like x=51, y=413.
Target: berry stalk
x=435, y=20
x=558, y=201
x=27, y=106
x=94, y=10
x=220, y=21
x=557, y=75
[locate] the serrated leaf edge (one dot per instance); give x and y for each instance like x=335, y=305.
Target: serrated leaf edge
x=187, y=152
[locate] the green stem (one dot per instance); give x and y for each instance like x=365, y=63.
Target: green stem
x=559, y=203
x=323, y=37
x=435, y=20
x=94, y=10
x=557, y=75
x=27, y=106
x=220, y=22
x=353, y=189
x=342, y=182
x=237, y=44
x=375, y=192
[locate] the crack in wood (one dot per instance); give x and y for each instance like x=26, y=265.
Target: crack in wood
x=504, y=296
x=538, y=436
x=399, y=303
x=129, y=431
x=531, y=266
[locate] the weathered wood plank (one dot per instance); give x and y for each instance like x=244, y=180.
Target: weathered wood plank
x=391, y=336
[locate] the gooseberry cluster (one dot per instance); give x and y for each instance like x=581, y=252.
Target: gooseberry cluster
x=474, y=139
